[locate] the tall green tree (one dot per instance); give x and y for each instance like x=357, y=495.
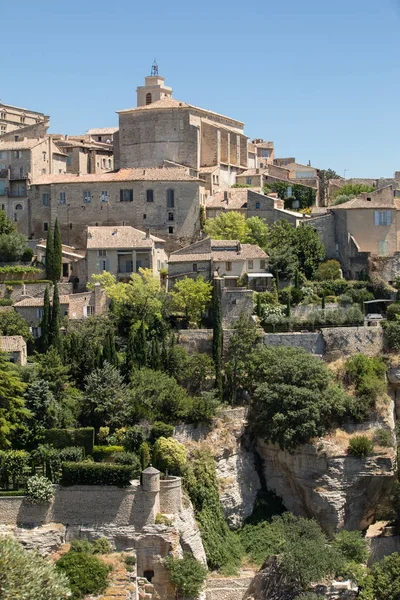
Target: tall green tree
x=240, y=346
x=12, y=404
x=281, y=248
x=57, y=253
x=49, y=262
x=191, y=297
x=45, y=322
x=309, y=249
x=217, y=341
x=227, y=226
x=110, y=353
x=55, y=339
x=104, y=397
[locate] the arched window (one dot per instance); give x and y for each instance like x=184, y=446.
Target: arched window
x=148, y=98
x=18, y=207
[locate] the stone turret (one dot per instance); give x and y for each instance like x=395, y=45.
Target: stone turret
x=151, y=480
x=150, y=484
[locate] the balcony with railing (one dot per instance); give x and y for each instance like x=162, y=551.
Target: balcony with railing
x=18, y=175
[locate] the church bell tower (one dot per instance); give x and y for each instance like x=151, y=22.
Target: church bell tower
x=153, y=88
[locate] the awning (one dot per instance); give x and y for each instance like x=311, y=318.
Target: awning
x=256, y=275
x=231, y=276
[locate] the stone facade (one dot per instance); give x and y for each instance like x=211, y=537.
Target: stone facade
x=15, y=347
x=13, y=118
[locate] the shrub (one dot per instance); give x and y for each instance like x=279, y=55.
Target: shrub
x=160, y=429
x=330, y=269
x=12, y=466
x=169, y=455
x=203, y=408
x=361, y=446
x=105, y=452
x=27, y=575
x=134, y=437
x=383, y=580
x=86, y=574
x=63, y=438
x=187, y=575
x=72, y=454
x=383, y=437
x=352, y=546
x=145, y=455
x=130, y=562
x=393, y=312
x=129, y=458
x=368, y=377
x=392, y=335
x=81, y=546
x=39, y=489
x=87, y=473
x=101, y=546
x=6, y=302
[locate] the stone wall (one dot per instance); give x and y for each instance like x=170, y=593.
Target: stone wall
x=346, y=341
x=311, y=342
x=235, y=302
x=95, y=505
x=16, y=292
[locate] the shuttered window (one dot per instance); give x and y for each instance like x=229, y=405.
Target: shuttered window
x=170, y=198
x=126, y=195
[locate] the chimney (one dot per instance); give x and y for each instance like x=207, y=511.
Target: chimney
x=239, y=247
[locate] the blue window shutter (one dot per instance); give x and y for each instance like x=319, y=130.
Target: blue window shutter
x=376, y=217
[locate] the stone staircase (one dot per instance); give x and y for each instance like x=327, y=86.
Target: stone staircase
x=228, y=588
x=122, y=584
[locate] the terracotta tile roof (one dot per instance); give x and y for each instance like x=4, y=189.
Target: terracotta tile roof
x=166, y=103
x=251, y=172
x=119, y=237
x=247, y=251
x=237, y=199
x=39, y=301
x=219, y=250
x=362, y=203
x=12, y=343
x=190, y=257
x=83, y=142
x=153, y=174
x=103, y=131
x=221, y=126
x=208, y=169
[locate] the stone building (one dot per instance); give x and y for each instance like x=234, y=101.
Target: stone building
x=165, y=200
x=123, y=251
x=15, y=347
x=72, y=306
x=13, y=118
x=237, y=264
x=161, y=128
x=85, y=156
x=103, y=134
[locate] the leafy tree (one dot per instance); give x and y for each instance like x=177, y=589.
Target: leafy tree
x=49, y=255
x=191, y=297
x=169, y=455
x=281, y=247
x=104, y=395
x=45, y=322
x=353, y=189
x=6, y=225
x=155, y=395
x=383, y=580
x=55, y=339
x=309, y=249
x=12, y=246
x=57, y=253
x=52, y=369
x=109, y=353
x=187, y=575
x=293, y=398
x=194, y=371
x=352, y=545
x=11, y=323
x=86, y=573
x=106, y=280
x=144, y=454
x=12, y=405
x=26, y=575
x=46, y=412
x=203, y=408
x=256, y=232
x=241, y=344
x=329, y=269
x=227, y=226
x=392, y=335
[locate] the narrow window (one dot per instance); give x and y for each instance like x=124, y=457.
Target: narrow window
x=150, y=196
x=45, y=199
x=248, y=180
x=126, y=195
x=87, y=197
x=144, y=216
x=16, y=138
x=170, y=216
x=148, y=98
x=104, y=196
x=18, y=207
x=257, y=205
x=44, y=156
x=45, y=226
x=170, y=198
x=62, y=198
x=262, y=263
x=102, y=252
x=228, y=266
x=250, y=264
x=170, y=230
x=195, y=267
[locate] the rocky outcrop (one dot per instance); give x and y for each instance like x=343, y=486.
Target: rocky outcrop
x=46, y=539
x=235, y=461
x=323, y=482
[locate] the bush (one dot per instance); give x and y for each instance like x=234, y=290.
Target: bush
x=392, y=335
x=39, y=489
x=160, y=429
x=6, y=302
x=81, y=546
x=63, y=438
x=384, y=437
x=101, y=546
x=330, y=269
x=130, y=562
x=86, y=574
x=352, y=546
x=12, y=466
x=368, y=377
x=393, y=312
x=383, y=580
x=203, y=408
x=101, y=453
x=361, y=446
x=169, y=455
x=145, y=455
x=72, y=454
x=27, y=575
x=129, y=458
x=87, y=473
x=134, y=437
x=187, y=575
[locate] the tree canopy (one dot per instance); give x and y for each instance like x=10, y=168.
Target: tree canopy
x=12, y=404
x=191, y=297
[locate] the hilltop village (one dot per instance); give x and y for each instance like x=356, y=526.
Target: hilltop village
x=199, y=364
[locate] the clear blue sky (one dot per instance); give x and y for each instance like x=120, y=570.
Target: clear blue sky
x=320, y=78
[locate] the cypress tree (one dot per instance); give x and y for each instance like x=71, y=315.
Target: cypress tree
x=57, y=253
x=45, y=322
x=217, y=342
x=164, y=355
x=109, y=350
x=258, y=305
x=171, y=361
x=55, y=322
x=49, y=256
x=323, y=300
x=297, y=280
x=141, y=346
x=155, y=357
x=288, y=307
x=129, y=354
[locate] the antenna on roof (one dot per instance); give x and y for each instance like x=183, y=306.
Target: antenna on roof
x=154, y=69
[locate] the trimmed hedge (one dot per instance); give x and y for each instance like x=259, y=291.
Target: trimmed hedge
x=19, y=269
x=105, y=452
x=27, y=282
x=6, y=302
x=89, y=473
x=5, y=493
x=64, y=438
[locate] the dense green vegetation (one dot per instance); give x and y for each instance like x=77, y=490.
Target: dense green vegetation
x=187, y=575
x=86, y=573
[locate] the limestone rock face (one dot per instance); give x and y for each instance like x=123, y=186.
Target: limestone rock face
x=238, y=478
x=45, y=539
x=323, y=482
x=190, y=537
